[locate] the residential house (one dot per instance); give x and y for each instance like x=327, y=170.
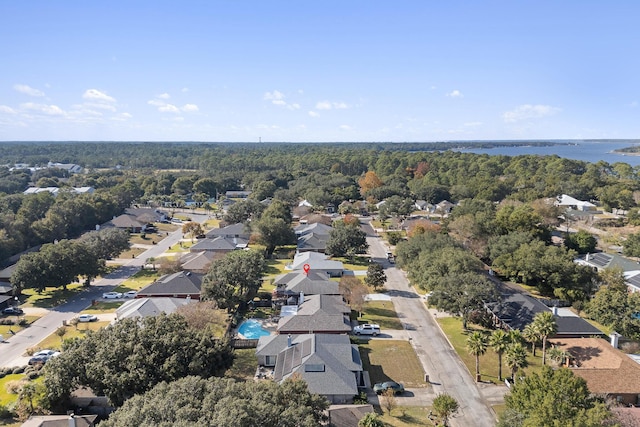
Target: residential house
x=601, y=261
x=198, y=262
x=607, y=371
x=219, y=245
x=69, y=167
x=321, y=314
x=330, y=364
x=444, y=207
x=237, y=194
x=176, y=285
x=312, y=237
x=314, y=283
x=126, y=222
x=317, y=262
x=57, y=190
x=150, y=307
x=423, y=205
x=516, y=310
x=61, y=421
x=569, y=202
x=231, y=231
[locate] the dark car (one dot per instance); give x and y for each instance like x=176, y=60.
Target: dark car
x=36, y=360
x=381, y=388
x=12, y=310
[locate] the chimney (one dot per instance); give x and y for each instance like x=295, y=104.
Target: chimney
x=301, y=299
x=587, y=257
x=614, y=339
x=289, y=340
x=555, y=310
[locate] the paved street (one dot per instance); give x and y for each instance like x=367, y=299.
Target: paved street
x=12, y=352
x=446, y=371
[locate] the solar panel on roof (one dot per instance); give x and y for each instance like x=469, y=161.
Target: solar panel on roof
x=635, y=281
x=600, y=259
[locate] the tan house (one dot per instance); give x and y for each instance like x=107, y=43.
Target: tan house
x=607, y=370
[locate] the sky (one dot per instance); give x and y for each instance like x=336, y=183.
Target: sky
x=318, y=71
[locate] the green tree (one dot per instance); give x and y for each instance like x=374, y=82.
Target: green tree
x=346, y=240
x=132, y=356
x=445, y=407
x=477, y=346
x=192, y=229
x=499, y=342
x=552, y=398
x=515, y=358
x=376, y=276
x=274, y=232
x=234, y=279
x=582, y=241
x=243, y=210
x=614, y=306
x=545, y=324
x=371, y=419
x=223, y=402
x=531, y=334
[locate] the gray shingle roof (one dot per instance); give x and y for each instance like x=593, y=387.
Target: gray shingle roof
x=173, y=284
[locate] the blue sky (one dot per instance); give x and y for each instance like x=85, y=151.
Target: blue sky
x=318, y=71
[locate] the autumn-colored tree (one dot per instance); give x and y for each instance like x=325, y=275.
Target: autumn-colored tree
x=422, y=226
x=193, y=229
x=368, y=182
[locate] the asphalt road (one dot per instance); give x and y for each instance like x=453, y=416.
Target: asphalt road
x=446, y=371
x=12, y=351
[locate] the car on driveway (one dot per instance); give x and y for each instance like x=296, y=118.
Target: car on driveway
x=12, y=310
x=87, y=318
x=38, y=360
x=46, y=353
x=112, y=295
x=381, y=388
x=367, y=329
x=130, y=294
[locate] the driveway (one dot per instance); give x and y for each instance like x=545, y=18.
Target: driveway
x=12, y=350
x=446, y=371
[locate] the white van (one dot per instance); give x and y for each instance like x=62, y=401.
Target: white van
x=367, y=329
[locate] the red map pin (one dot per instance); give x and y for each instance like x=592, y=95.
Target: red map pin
x=306, y=268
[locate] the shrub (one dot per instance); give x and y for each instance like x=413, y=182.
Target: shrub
x=18, y=370
x=33, y=375
x=361, y=398
x=31, y=350
x=14, y=387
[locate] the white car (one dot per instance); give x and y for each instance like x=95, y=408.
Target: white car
x=45, y=353
x=112, y=295
x=130, y=294
x=367, y=329
x=87, y=318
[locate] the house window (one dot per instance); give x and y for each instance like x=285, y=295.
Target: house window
x=311, y=367
x=270, y=361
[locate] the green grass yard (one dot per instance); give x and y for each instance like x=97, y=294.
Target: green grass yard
x=381, y=312
x=392, y=360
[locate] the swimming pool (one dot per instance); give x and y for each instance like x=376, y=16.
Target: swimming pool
x=252, y=329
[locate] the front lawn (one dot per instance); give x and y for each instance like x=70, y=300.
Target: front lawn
x=50, y=297
x=392, y=360
x=139, y=280
x=4, y=329
x=7, y=398
x=452, y=327
x=407, y=416
x=381, y=312
x=54, y=341
x=103, y=307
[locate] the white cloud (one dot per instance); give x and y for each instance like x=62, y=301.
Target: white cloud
x=345, y=127
x=168, y=108
x=313, y=114
x=279, y=102
x=190, y=108
x=122, y=117
x=164, y=96
x=528, y=111
x=51, y=110
x=28, y=90
x=273, y=96
x=473, y=124
x=185, y=90
x=293, y=106
x=328, y=105
x=156, y=103
x=455, y=94
x=96, y=95
x=6, y=109
x=102, y=106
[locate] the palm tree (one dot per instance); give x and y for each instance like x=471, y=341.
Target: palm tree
x=516, y=358
x=556, y=356
x=499, y=341
x=477, y=346
x=531, y=335
x=546, y=325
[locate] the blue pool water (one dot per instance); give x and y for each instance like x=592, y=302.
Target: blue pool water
x=252, y=329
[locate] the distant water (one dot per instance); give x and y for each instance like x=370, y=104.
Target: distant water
x=589, y=151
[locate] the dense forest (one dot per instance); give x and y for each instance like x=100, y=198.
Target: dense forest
x=161, y=173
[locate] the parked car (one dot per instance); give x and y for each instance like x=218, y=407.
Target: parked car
x=46, y=353
x=130, y=294
x=367, y=329
x=38, y=360
x=12, y=310
x=112, y=295
x=380, y=388
x=87, y=318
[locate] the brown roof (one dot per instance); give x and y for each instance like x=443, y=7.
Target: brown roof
x=606, y=369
